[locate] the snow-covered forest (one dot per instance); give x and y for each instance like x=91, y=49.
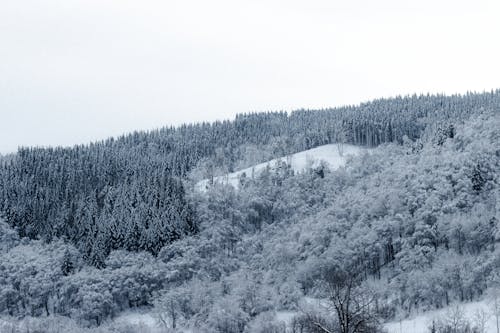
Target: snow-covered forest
x=408, y=223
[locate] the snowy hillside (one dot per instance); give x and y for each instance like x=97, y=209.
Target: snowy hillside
x=299, y=162
x=111, y=237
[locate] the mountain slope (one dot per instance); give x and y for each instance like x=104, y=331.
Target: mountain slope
x=410, y=227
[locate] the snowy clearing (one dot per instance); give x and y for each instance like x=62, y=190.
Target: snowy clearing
x=299, y=162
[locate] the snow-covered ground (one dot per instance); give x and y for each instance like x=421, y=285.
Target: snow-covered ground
x=472, y=312
x=299, y=162
x=416, y=324
x=140, y=319
x=469, y=311
x=145, y=321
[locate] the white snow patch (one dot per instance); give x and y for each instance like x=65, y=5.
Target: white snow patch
x=141, y=319
x=422, y=322
x=299, y=162
x=285, y=317
x=145, y=320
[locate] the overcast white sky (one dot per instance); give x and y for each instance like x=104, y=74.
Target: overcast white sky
x=72, y=71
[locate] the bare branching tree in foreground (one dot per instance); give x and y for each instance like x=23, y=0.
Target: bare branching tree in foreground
x=352, y=304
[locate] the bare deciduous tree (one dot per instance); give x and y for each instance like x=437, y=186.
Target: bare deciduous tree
x=353, y=304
